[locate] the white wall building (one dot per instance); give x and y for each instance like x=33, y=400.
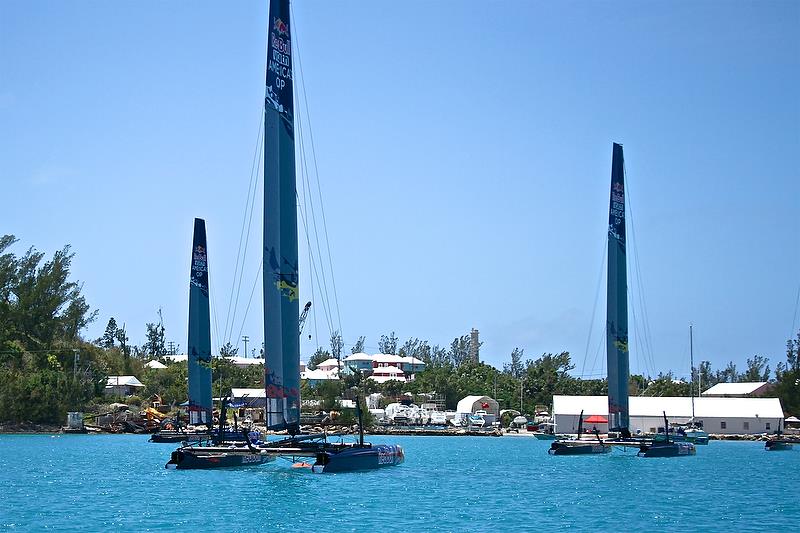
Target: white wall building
x=718, y=415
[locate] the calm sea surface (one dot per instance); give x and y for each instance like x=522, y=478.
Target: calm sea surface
x=86, y=483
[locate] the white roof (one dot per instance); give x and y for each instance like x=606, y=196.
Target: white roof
x=734, y=389
x=177, y=358
x=360, y=356
x=328, y=362
x=130, y=381
x=409, y=360
x=155, y=364
x=388, y=358
x=674, y=406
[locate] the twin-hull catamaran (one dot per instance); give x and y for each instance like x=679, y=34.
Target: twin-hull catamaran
x=617, y=340
x=281, y=293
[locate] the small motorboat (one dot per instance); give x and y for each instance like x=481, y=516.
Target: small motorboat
x=777, y=445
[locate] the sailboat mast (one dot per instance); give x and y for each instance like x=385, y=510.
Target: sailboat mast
x=691, y=367
x=199, y=341
x=617, y=300
x=281, y=303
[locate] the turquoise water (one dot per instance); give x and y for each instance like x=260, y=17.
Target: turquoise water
x=77, y=482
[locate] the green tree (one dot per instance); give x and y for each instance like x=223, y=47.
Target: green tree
x=459, y=350
x=757, y=369
x=42, y=313
x=155, y=340
x=667, y=385
x=416, y=348
x=110, y=335
x=515, y=368
x=388, y=343
x=729, y=375
x=319, y=356
x=228, y=350
x=358, y=347
x=337, y=344
x=787, y=376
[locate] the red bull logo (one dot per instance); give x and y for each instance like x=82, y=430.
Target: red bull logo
x=281, y=27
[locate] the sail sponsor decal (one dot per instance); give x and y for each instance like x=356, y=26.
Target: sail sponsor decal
x=199, y=276
x=616, y=222
x=251, y=459
x=279, y=69
x=284, y=276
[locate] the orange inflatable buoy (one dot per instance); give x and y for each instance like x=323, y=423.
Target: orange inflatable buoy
x=302, y=464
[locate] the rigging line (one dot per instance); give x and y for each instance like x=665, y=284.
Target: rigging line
x=310, y=214
x=250, y=300
x=310, y=252
x=314, y=270
x=313, y=309
x=597, y=352
x=316, y=173
x=212, y=302
x=253, y=170
x=310, y=262
x=647, y=335
x=594, y=307
x=636, y=332
x=247, y=234
x=794, y=318
x=304, y=168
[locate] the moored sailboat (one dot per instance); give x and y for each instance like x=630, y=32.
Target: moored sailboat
x=578, y=446
x=198, y=348
x=213, y=447
x=617, y=357
x=281, y=294
x=616, y=317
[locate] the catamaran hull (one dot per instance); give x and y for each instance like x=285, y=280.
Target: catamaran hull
x=671, y=449
x=179, y=436
x=201, y=459
x=577, y=448
x=164, y=437
x=354, y=459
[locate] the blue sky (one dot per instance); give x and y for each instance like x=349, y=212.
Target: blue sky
x=464, y=154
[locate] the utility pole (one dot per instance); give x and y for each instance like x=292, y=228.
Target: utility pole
x=75, y=360
x=245, y=338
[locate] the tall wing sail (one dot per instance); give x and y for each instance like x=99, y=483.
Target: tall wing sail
x=199, y=343
x=617, y=299
x=281, y=304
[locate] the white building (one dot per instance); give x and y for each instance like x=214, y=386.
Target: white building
x=718, y=415
x=249, y=397
x=317, y=376
x=388, y=373
x=122, y=386
x=382, y=366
